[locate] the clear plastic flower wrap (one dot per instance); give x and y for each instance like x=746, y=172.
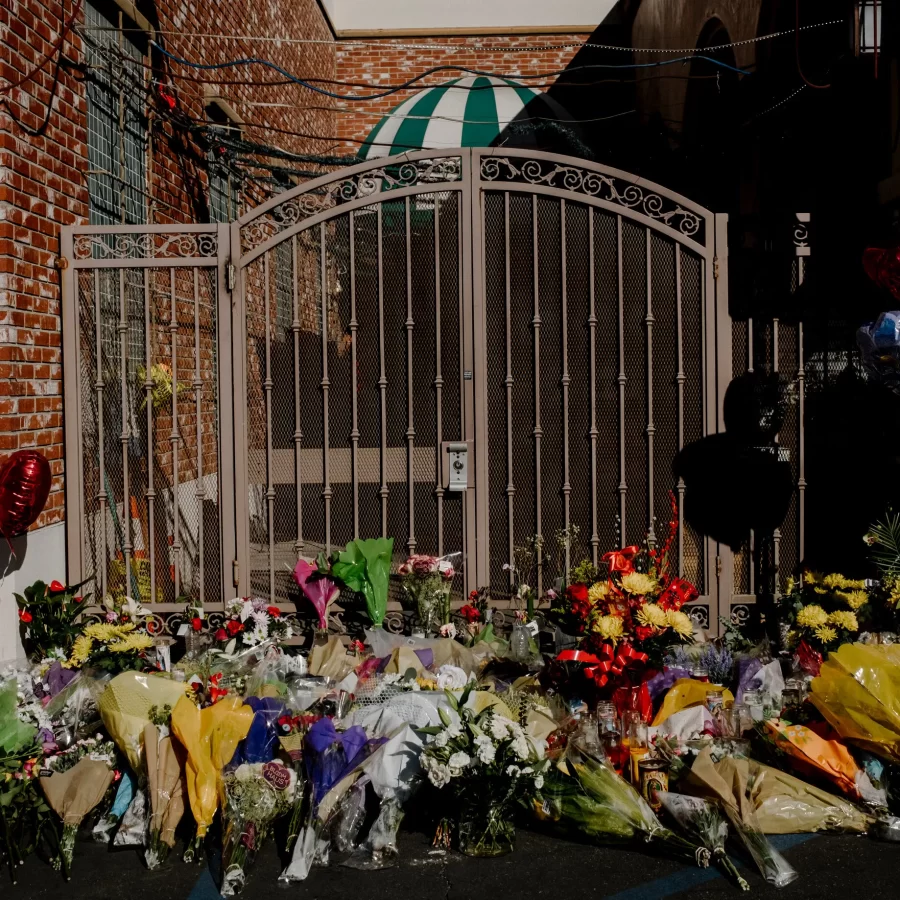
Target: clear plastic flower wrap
x=256, y=794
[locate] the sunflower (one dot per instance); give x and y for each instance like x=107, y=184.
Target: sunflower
x=680, y=622
x=826, y=634
x=652, y=616
x=598, y=591
x=812, y=616
x=638, y=583
x=610, y=628
x=844, y=619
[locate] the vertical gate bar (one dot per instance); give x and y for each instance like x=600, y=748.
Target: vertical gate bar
x=595, y=432
x=752, y=561
x=326, y=384
x=410, y=429
x=174, y=437
x=150, y=491
x=651, y=428
x=354, y=427
x=126, y=432
x=268, y=385
x=776, y=534
x=98, y=387
x=382, y=377
x=567, y=487
x=801, y=251
x=225, y=368
x=680, y=379
x=538, y=431
x=298, y=428
x=438, y=376
x=623, y=485
x=510, y=486
x=198, y=389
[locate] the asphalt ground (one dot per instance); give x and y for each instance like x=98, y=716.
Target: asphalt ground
x=829, y=866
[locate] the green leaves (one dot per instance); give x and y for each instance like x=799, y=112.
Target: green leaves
x=365, y=568
x=884, y=538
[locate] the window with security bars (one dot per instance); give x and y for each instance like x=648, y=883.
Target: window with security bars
x=117, y=121
x=870, y=26
x=224, y=179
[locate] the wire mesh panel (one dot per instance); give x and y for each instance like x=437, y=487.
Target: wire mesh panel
x=353, y=391
x=143, y=406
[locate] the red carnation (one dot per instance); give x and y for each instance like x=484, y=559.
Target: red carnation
x=274, y=612
x=196, y=623
x=234, y=627
x=221, y=634
x=470, y=613
x=56, y=587
x=642, y=632
x=25, y=616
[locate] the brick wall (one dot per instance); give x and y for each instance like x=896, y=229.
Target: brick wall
x=393, y=62
x=43, y=181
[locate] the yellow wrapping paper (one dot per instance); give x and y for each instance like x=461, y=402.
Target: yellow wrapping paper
x=858, y=693
x=782, y=804
x=402, y=660
x=331, y=660
x=74, y=793
x=125, y=707
x=687, y=692
x=210, y=737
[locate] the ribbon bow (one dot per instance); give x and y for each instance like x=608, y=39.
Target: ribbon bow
x=614, y=663
x=621, y=560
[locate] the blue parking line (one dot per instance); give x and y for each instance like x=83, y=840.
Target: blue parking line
x=688, y=879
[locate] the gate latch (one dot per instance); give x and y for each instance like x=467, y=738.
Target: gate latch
x=456, y=478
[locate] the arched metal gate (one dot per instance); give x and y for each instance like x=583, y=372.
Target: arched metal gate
x=560, y=327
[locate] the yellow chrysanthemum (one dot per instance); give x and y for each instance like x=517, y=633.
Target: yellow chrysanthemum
x=680, y=622
x=826, y=634
x=854, y=599
x=810, y=578
x=638, y=583
x=610, y=628
x=845, y=619
x=132, y=643
x=789, y=586
x=652, y=615
x=598, y=591
x=81, y=651
x=107, y=631
x=820, y=590
x=812, y=616
x=834, y=581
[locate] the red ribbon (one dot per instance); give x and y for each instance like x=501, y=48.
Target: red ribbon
x=614, y=662
x=621, y=560
x=576, y=656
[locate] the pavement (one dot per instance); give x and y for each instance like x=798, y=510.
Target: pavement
x=829, y=866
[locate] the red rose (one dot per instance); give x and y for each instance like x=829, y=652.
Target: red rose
x=56, y=587
x=234, y=627
x=221, y=634
x=196, y=623
x=642, y=632
x=470, y=614
x=79, y=599
x=25, y=616
x=274, y=612
x=577, y=592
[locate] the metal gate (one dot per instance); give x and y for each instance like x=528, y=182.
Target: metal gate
x=562, y=327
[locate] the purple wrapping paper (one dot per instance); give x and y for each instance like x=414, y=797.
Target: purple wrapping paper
x=659, y=684
x=747, y=671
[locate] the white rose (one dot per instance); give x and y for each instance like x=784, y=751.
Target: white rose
x=439, y=774
x=539, y=782
x=451, y=678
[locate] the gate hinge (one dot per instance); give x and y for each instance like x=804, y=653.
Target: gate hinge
x=718, y=567
x=230, y=276
x=235, y=572
x=716, y=267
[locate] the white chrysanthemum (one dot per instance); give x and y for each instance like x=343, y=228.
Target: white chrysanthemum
x=499, y=727
x=441, y=740
x=453, y=730
x=459, y=760
x=485, y=749
x=520, y=747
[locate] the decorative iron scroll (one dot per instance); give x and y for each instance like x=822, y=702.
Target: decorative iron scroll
x=147, y=245
x=699, y=614
x=740, y=614
x=370, y=183
x=587, y=182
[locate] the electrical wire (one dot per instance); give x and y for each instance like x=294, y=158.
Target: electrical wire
x=462, y=48
x=818, y=87
x=311, y=84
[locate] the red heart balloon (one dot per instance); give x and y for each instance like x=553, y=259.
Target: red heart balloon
x=24, y=487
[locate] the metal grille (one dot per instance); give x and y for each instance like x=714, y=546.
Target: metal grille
x=117, y=128
x=141, y=355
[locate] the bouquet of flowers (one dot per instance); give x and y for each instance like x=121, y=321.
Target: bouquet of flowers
x=256, y=794
x=318, y=588
x=48, y=613
x=822, y=612
x=490, y=764
x=364, y=567
x=112, y=646
x=74, y=781
x=426, y=581
x=249, y=623
x=165, y=762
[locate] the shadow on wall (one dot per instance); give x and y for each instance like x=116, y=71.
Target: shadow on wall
x=12, y=554
x=736, y=481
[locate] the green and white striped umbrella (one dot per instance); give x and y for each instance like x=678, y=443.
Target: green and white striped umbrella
x=467, y=112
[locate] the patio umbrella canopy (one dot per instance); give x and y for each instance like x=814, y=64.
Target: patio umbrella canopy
x=466, y=112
